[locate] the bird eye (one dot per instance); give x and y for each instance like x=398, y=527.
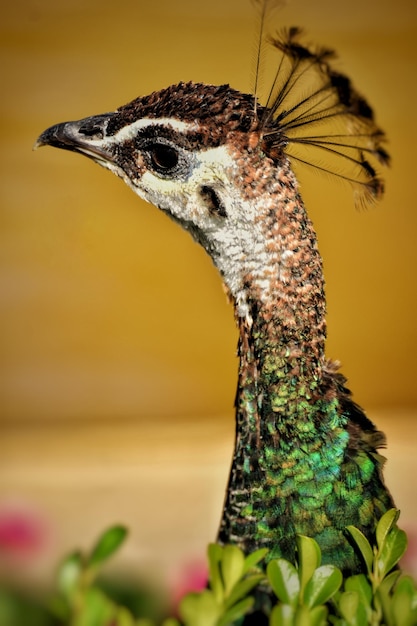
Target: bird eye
x=163, y=157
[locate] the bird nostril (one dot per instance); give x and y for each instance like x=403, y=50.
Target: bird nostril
x=91, y=130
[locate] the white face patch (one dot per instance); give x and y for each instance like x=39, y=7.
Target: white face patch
x=213, y=167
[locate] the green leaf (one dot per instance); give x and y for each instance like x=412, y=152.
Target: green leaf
x=363, y=545
x=170, y=621
x=389, y=581
x=107, y=544
x=199, y=609
x=404, y=603
x=242, y=588
x=124, y=617
x=253, y=559
x=236, y=612
x=352, y=609
x=392, y=550
x=324, y=583
x=384, y=526
x=69, y=574
x=310, y=617
x=318, y=616
x=215, y=553
x=232, y=567
x=284, y=580
x=383, y=597
x=282, y=615
x=359, y=584
x=309, y=558
x=382, y=602
x=406, y=584
x=97, y=609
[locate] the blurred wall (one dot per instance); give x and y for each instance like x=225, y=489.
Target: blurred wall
x=108, y=311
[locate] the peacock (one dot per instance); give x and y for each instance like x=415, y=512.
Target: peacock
x=220, y=163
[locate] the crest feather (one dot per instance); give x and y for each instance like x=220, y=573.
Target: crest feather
x=314, y=114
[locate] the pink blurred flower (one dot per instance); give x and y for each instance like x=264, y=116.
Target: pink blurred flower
x=192, y=577
x=22, y=533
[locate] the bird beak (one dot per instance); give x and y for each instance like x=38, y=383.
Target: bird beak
x=86, y=136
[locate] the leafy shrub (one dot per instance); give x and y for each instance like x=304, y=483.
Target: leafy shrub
x=304, y=594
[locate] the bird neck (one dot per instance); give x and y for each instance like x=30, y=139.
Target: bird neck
x=286, y=403
x=282, y=335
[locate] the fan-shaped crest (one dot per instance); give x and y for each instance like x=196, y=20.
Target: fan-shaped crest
x=315, y=115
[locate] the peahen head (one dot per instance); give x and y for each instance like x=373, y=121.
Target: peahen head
x=219, y=164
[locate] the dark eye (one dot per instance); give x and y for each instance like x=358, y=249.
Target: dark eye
x=163, y=157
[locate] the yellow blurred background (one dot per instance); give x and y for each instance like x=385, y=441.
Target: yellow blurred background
x=118, y=366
